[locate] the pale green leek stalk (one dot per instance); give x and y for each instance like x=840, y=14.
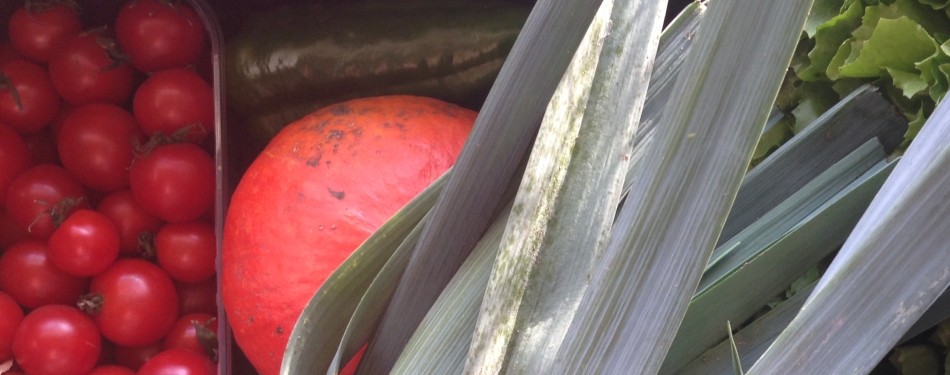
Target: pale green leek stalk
x=504, y=129
x=440, y=344
x=568, y=194
x=891, y=269
x=678, y=204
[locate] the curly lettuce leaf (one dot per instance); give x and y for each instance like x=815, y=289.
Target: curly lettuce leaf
x=894, y=43
x=827, y=38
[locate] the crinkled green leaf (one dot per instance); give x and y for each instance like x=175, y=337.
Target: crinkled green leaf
x=910, y=83
x=894, y=43
x=917, y=121
x=844, y=50
x=936, y=4
x=828, y=38
x=822, y=11
x=816, y=98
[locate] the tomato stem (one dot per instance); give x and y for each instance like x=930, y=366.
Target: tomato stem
x=111, y=46
x=207, y=338
x=90, y=303
x=59, y=212
x=7, y=83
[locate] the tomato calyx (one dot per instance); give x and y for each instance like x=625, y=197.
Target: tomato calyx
x=41, y=6
x=142, y=150
x=146, y=249
x=111, y=46
x=207, y=338
x=59, y=211
x=90, y=303
x=6, y=83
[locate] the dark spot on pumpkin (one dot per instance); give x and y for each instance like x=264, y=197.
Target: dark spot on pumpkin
x=328, y=164
x=357, y=132
x=250, y=319
x=280, y=330
x=336, y=147
x=313, y=162
x=340, y=110
x=337, y=194
x=336, y=134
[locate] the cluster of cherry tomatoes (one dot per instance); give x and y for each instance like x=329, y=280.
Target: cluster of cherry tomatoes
x=107, y=186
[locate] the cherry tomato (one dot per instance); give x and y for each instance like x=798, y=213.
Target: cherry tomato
x=84, y=70
x=14, y=159
x=57, y=340
x=138, y=303
x=194, y=332
x=159, y=35
x=174, y=182
x=41, y=194
x=130, y=219
x=86, y=244
x=187, y=251
x=27, y=275
x=111, y=370
x=42, y=148
x=28, y=101
x=10, y=232
x=10, y=316
x=178, y=362
x=135, y=357
x=36, y=32
x=95, y=145
x=175, y=100
x=200, y=297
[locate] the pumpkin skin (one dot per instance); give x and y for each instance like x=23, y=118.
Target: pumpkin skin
x=321, y=187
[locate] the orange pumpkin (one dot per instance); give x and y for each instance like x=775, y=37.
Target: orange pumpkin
x=319, y=189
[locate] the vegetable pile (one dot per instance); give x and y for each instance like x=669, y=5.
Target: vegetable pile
x=107, y=187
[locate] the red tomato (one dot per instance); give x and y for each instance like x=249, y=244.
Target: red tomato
x=138, y=303
x=130, y=219
x=111, y=370
x=134, y=357
x=83, y=71
x=57, y=340
x=42, y=194
x=187, y=251
x=174, y=182
x=14, y=159
x=193, y=332
x=95, y=145
x=37, y=31
x=200, y=297
x=86, y=244
x=10, y=232
x=28, y=101
x=27, y=275
x=178, y=362
x=42, y=148
x=159, y=35
x=176, y=100
x=10, y=316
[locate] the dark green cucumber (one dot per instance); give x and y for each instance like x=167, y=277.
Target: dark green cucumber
x=295, y=59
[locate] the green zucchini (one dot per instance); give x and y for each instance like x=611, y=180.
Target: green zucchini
x=295, y=59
